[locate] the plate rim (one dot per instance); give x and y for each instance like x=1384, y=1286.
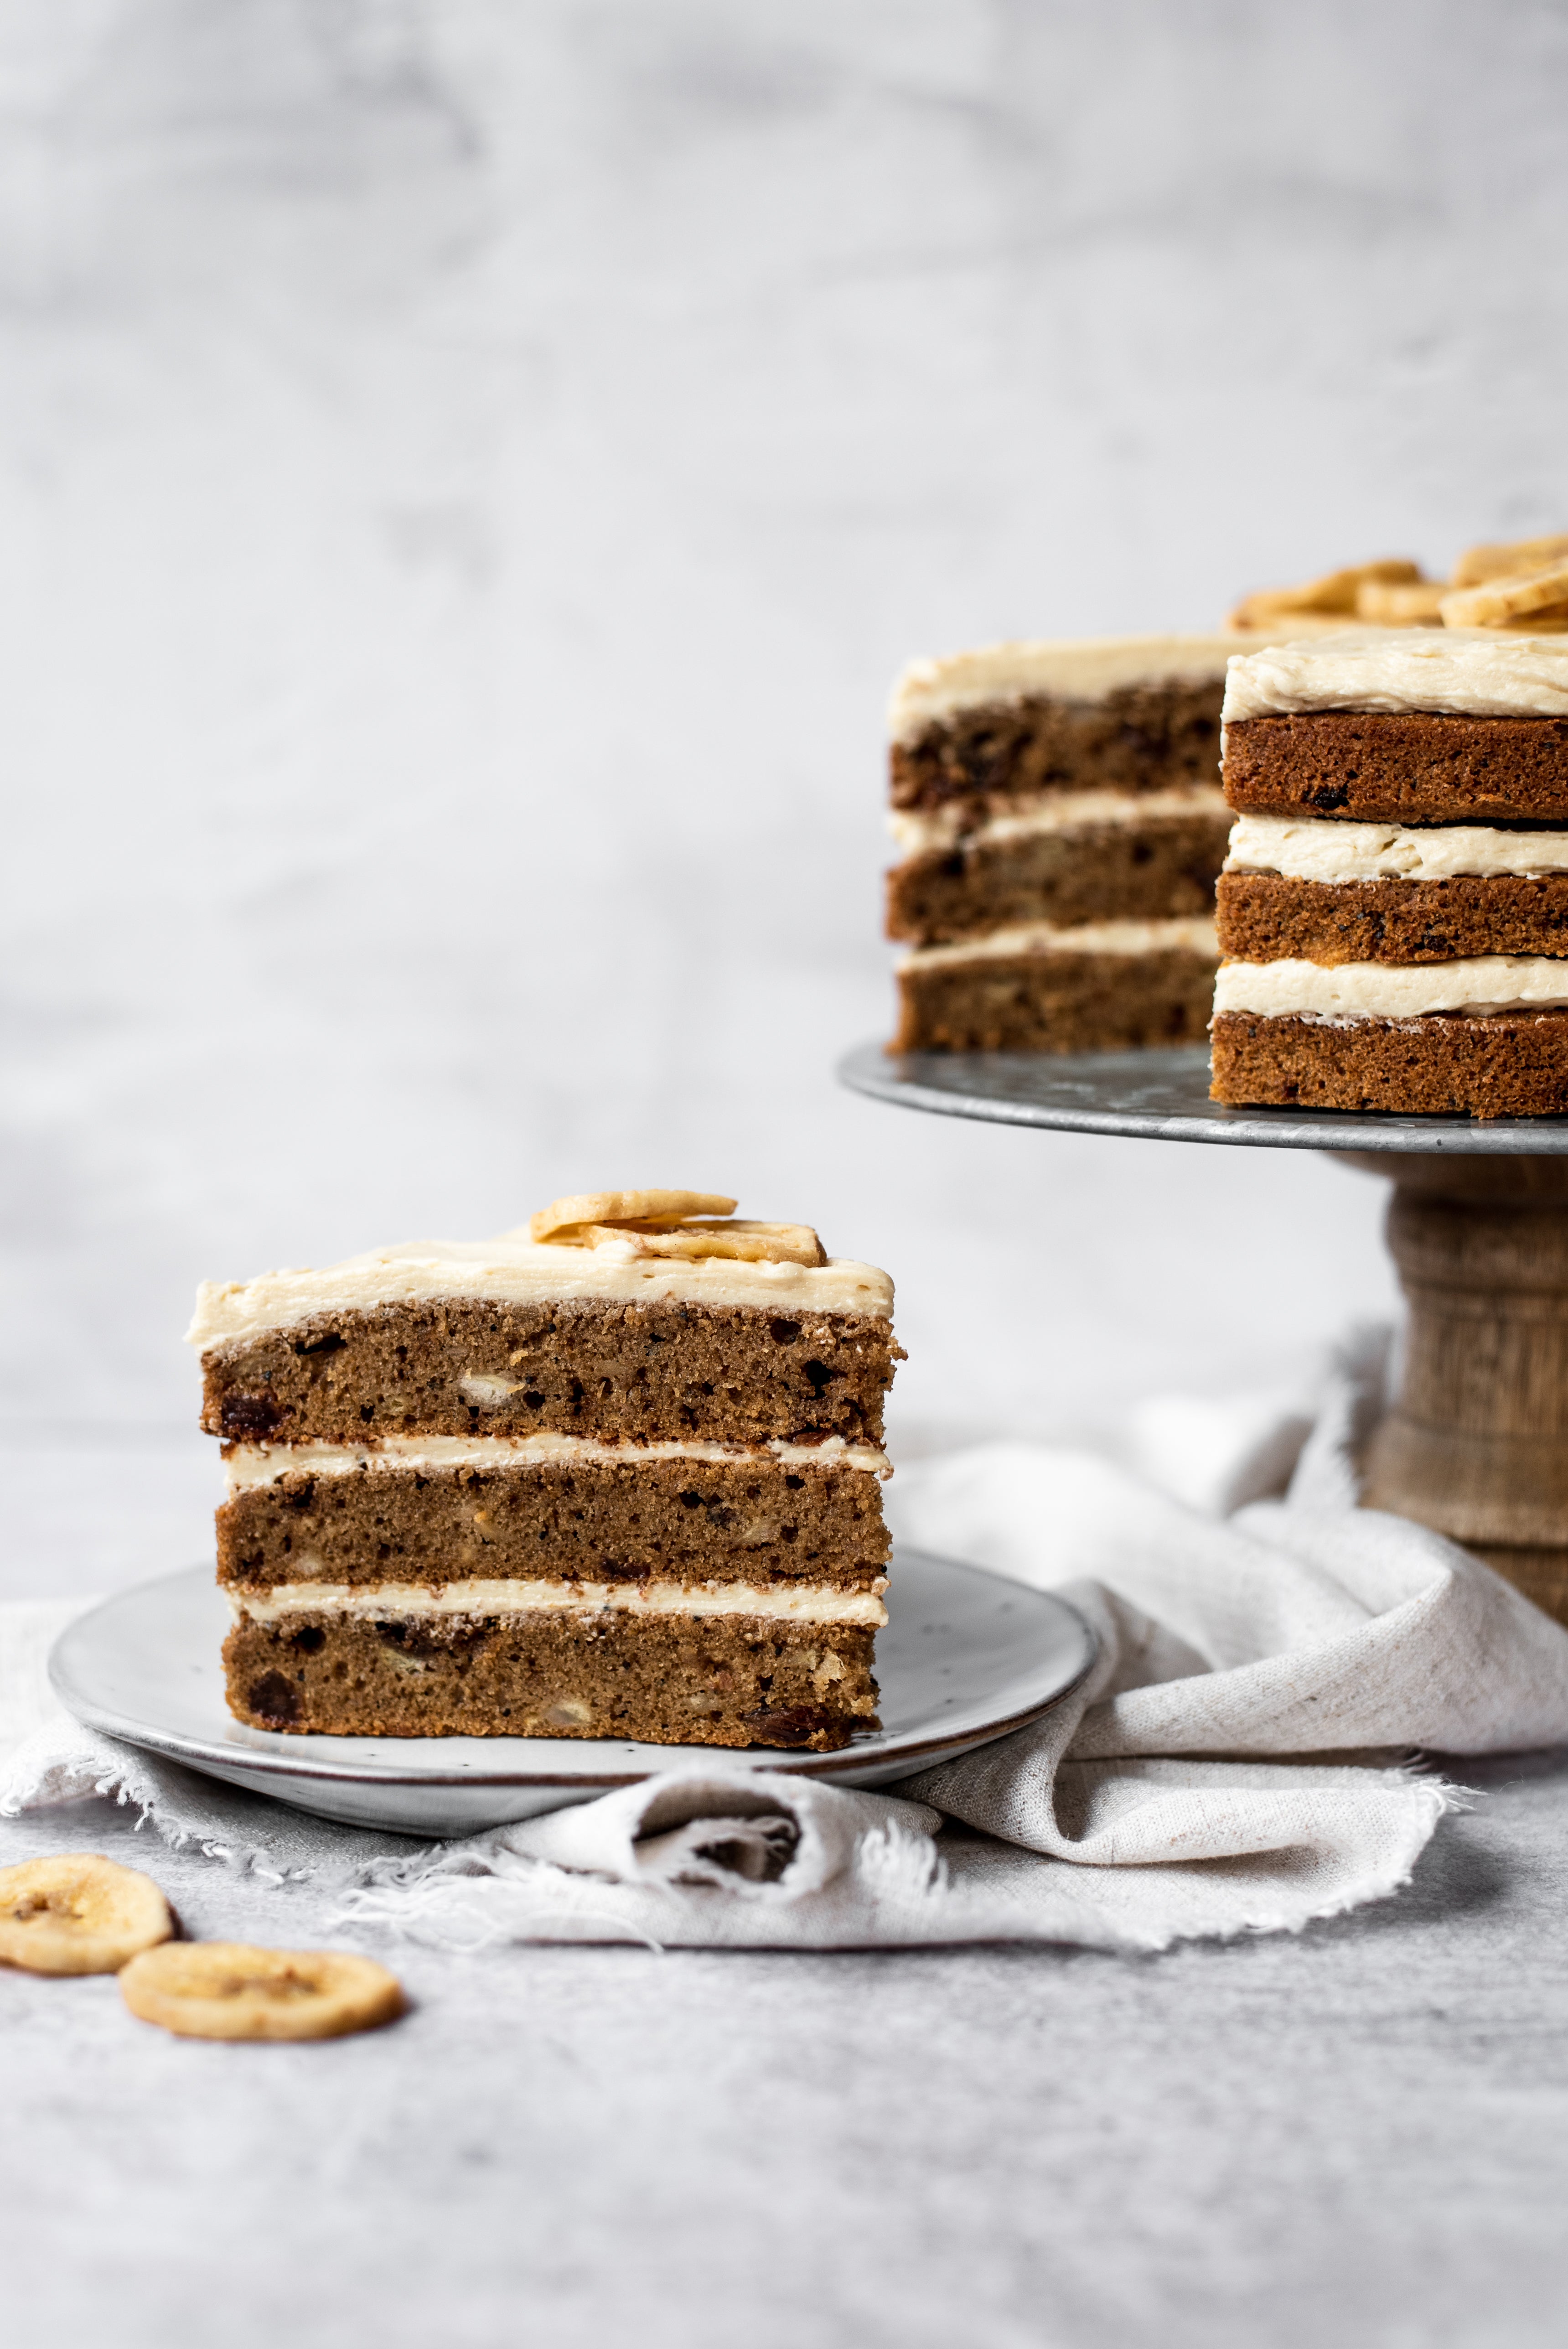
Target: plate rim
x=193, y=1751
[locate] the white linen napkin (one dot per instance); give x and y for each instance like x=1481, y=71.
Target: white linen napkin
x=1171, y=1796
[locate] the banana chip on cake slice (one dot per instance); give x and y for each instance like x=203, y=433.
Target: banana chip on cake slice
x=230, y=1990
x=572, y=1215
x=681, y=1223
x=750, y=1243
x=77, y=1913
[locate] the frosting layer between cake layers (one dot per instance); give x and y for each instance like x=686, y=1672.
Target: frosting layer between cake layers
x=937, y=831
x=1478, y=987
x=248, y=1464
x=797, y=1603
x=1304, y=849
x=1191, y=933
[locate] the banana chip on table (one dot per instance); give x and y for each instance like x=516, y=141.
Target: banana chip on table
x=77, y=1913
x=228, y=1989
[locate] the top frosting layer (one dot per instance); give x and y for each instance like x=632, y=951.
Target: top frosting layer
x=1064, y=669
x=513, y=1270
x=1460, y=672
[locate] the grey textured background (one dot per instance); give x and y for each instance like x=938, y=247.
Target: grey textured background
x=467, y=476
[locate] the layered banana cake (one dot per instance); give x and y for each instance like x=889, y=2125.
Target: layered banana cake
x=617, y=1473
x=1393, y=907
x=1058, y=810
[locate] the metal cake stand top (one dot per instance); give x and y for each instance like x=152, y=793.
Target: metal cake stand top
x=1163, y=1096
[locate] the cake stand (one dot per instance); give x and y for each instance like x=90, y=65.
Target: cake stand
x=1476, y=1441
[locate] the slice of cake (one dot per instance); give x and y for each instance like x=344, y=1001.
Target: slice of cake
x=618, y=1475
x=1059, y=811
x=1394, y=908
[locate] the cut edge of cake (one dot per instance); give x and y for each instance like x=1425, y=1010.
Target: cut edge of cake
x=1057, y=799
x=544, y=1489
x=1393, y=907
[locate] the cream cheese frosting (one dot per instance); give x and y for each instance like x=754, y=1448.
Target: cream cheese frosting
x=249, y=1464
x=515, y=1270
x=923, y=831
x=1185, y=933
x=799, y=1602
x=1306, y=849
x=1064, y=668
x=1463, y=672
x=1477, y=984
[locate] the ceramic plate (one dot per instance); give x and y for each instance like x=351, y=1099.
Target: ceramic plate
x=966, y=1657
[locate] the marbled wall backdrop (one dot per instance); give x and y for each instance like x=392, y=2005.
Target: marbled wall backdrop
x=469, y=474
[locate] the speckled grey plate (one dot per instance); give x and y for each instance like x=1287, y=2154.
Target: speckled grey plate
x=1163, y=1096
x=965, y=1659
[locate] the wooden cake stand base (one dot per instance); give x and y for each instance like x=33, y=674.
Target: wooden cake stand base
x=1475, y=1443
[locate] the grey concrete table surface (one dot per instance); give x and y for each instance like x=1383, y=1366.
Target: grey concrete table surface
x=1358, y=2136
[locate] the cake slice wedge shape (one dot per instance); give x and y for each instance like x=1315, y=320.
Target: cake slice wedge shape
x=549, y=1489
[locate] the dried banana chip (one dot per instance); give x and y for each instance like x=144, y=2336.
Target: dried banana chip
x=1478, y=564
x=554, y=1222
x=77, y=1913
x=1401, y=607
x=1336, y=591
x=1499, y=601
x=750, y=1243
x=227, y=1989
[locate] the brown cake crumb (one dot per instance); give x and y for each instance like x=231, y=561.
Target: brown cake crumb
x=606, y=1521
x=1140, y=738
x=1269, y=916
x=630, y=1371
x=1103, y=871
x=1366, y=766
x=691, y=1681
x=1504, y=1064
x=1055, y=1002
